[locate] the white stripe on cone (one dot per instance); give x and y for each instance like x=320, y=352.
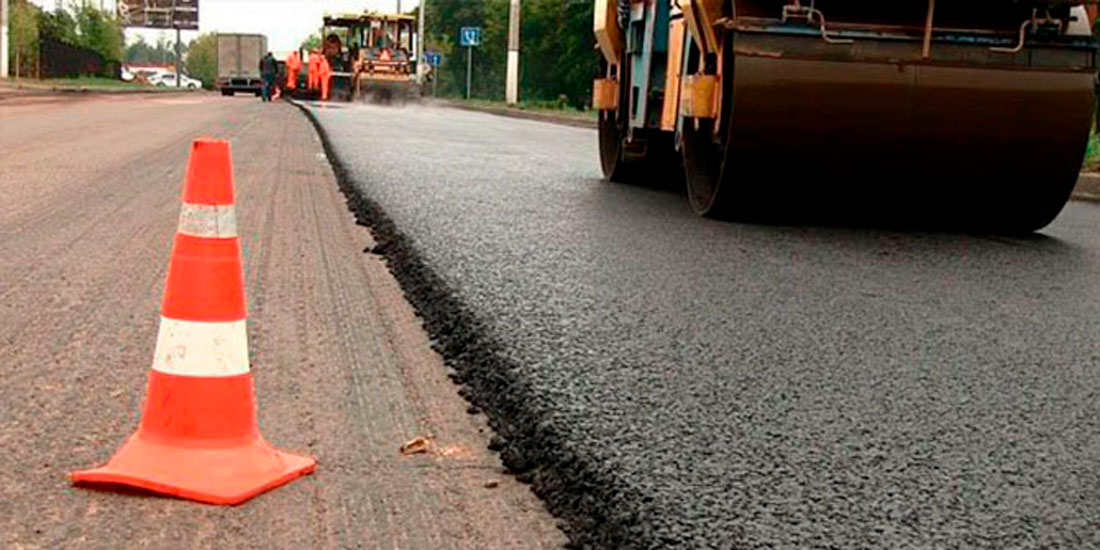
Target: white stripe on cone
x=195, y=348
x=216, y=221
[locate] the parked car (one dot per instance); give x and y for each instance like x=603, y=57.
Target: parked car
x=144, y=75
x=169, y=81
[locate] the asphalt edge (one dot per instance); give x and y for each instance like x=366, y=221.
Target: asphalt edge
x=1086, y=189
x=591, y=512
x=512, y=112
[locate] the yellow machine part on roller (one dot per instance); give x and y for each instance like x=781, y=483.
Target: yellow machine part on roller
x=974, y=112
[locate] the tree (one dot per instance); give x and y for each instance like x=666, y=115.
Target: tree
x=202, y=59
x=556, y=50
x=59, y=25
x=99, y=32
x=312, y=42
x=23, y=36
x=141, y=51
x=446, y=18
x=81, y=25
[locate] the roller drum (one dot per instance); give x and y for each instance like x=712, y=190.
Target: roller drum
x=971, y=137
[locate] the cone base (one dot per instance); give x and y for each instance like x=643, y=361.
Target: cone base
x=225, y=475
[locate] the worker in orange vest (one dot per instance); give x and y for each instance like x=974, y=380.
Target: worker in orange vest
x=293, y=65
x=325, y=74
x=313, y=67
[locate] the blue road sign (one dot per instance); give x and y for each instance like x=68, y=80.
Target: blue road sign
x=433, y=58
x=469, y=36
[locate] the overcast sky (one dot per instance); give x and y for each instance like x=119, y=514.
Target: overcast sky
x=285, y=22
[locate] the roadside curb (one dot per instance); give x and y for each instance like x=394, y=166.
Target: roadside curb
x=1088, y=187
x=519, y=113
x=21, y=87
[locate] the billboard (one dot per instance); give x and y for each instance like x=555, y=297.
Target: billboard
x=160, y=14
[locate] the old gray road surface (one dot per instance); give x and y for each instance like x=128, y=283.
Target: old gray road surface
x=343, y=370
x=675, y=381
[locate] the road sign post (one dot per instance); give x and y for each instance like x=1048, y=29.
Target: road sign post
x=433, y=59
x=469, y=37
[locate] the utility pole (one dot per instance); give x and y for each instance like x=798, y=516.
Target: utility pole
x=176, y=25
x=178, y=61
x=4, y=7
x=420, y=43
x=512, y=83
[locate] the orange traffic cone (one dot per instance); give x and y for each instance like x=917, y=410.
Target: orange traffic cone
x=198, y=437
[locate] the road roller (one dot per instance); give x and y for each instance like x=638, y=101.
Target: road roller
x=975, y=112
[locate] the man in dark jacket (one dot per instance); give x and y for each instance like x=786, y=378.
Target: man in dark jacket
x=268, y=70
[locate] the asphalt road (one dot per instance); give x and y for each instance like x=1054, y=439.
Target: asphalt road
x=342, y=368
x=671, y=381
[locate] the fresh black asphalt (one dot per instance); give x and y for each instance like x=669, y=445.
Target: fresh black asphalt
x=669, y=381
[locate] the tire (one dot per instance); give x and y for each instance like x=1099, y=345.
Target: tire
x=711, y=187
x=617, y=166
x=634, y=158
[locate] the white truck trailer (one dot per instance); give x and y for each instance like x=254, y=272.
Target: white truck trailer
x=239, y=63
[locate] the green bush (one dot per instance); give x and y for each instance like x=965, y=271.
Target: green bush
x=202, y=59
x=1092, y=153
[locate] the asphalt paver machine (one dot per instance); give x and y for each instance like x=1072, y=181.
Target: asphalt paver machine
x=372, y=56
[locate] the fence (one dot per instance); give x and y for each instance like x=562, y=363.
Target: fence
x=60, y=60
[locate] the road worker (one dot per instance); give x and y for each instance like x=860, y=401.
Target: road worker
x=293, y=65
x=268, y=69
x=324, y=74
x=313, y=67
